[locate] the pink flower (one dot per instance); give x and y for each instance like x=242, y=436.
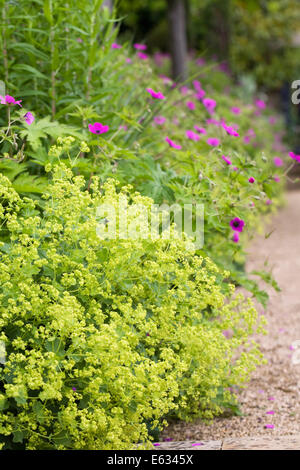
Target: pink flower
x=191, y=105
x=184, y=90
x=277, y=161
x=251, y=180
x=29, y=117
x=98, y=128
x=172, y=144
x=212, y=121
x=276, y=178
x=115, y=46
x=140, y=47
x=230, y=130
x=201, y=130
x=268, y=202
x=260, y=104
x=200, y=94
x=142, y=56
x=235, y=237
x=156, y=444
x=209, y=104
x=160, y=120
x=235, y=168
x=237, y=224
x=271, y=412
x=294, y=156
x=247, y=139
x=271, y=398
x=128, y=60
x=213, y=141
x=192, y=135
x=195, y=444
x=9, y=100
x=236, y=110
x=197, y=85
x=200, y=61
x=156, y=94
x=226, y=160
x=123, y=127
x=269, y=426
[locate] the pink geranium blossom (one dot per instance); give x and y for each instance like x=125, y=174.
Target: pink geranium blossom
x=210, y=104
x=236, y=110
x=29, y=118
x=98, y=128
x=213, y=141
x=192, y=135
x=277, y=161
x=226, y=160
x=115, y=46
x=201, y=130
x=260, y=104
x=142, y=55
x=9, y=100
x=172, y=143
x=230, y=130
x=160, y=120
x=156, y=94
x=140, y=47
x=191, y=105
x=237, y=224
x=251, y=180
x=295, y=157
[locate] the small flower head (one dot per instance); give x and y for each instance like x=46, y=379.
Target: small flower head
x=142, y=55
x=201, y=130
x=209, y=104
x=160, y=120
x=260, y=104
x=10, y=101
x=156, y=94
x=237, y=224
x=191, y=105
x=172, y=144
x=230, y=130
x=192, y=135
x=226, y=160
x=29, y=117
x=140, y=47
x=277, y=161
x=235, y=237
x=235, y=110
x=98, y=128
x=251, y=180
x=116, y=46
x=214, y=142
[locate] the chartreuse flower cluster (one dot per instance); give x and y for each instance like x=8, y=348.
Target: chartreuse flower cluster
x=104, y=338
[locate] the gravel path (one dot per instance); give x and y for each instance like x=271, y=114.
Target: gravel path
x=275, y=386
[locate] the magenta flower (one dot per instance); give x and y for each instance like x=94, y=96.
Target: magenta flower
x=235, y=168
x=195, y=444
x=156, y=444
x=276, y=178
x=247, y=139
x=115, y=46
x=191, y=105
x=268, y=202
x=98, y=128
x=128, y=60
x=160, y=120
x=251, y=180
x=141, y=55
x=9, y=100
x=201, y=130
x=140, y=47
x=269, y=426
x=200, y=94
x=237, y=224
x=214, y=142
x=226, y=160
x=260, y=104
x=212, y=121
x=230, y=130
x=29, y=117
x=236, y=110
x=184, y=90
x=192, y=135
x=271, y=412
x=172, y=144
x=277, y=161
x=294, y=156
x=156, y=94
x=209, y=104
x=235, y=237
x=197, y=85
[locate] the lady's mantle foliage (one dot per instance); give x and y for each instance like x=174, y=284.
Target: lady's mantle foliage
x=104, y=336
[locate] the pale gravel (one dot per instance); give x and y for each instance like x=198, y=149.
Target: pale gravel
x=280, y=378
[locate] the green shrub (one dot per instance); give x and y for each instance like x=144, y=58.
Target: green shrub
x=105, y=337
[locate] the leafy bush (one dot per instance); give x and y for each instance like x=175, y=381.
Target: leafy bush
x=104, y=337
